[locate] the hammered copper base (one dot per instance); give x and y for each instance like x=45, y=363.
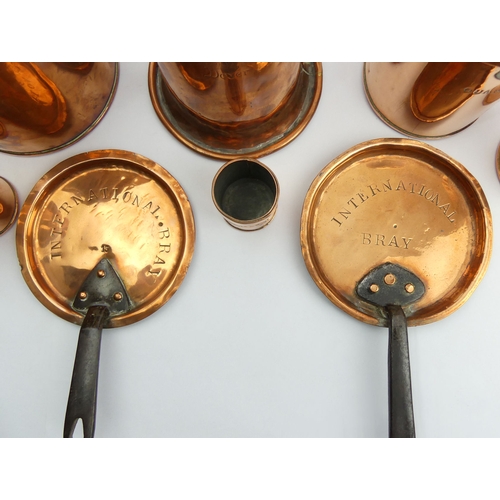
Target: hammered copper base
x=106, y=204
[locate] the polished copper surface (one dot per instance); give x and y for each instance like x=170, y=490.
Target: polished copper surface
x=106, y=204
x=48, y=106
x=498, y=161
x=431, y=100
x=9, y=205
x=234, y=110
x=399, y=201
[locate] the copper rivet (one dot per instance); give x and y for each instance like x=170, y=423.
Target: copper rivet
x=101, y=273
x=374, y=288
x=410, y=287
x=83, y=295
x=118, y=296
x=1, y=208
x=390, y=279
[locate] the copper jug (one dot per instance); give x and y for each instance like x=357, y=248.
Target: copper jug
x=47, y=106
x=431, y=100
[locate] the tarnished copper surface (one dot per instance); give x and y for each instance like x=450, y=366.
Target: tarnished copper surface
x=399, y=201
x=431, y=99
x=234, y=110
x=48, y=106
x=246, y=193
x=9, y=205
x=106, y=204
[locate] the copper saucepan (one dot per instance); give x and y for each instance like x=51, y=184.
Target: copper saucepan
x=396, y=233
x=104, y=239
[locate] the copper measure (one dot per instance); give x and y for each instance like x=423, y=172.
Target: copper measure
x=235, y=109
x=104, y=239
x=46, y=106
x=396, y=233
x=431, y=100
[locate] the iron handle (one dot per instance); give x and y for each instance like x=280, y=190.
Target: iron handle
x=82, y=400
x=401, y=420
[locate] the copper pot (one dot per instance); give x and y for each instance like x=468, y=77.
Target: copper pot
x=232, y=110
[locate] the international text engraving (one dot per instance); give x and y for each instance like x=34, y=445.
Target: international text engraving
x=105, y=194
x=411, y=188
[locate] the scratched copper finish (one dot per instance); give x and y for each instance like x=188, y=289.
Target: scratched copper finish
x=106, y=204
x=430, y=100
x=9, y=205
x=234, y=110
x=399, y=201
x=48, y=106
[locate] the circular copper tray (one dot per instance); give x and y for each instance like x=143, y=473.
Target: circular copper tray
x=106, y=204
x=252, y=141
x=398, y=201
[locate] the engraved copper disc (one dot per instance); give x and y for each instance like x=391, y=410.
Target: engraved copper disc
x=9, y=205
x=399, y=201
x=106, y=204
x=252, y=140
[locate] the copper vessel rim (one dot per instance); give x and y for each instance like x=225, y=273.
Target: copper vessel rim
x=15, y=208
x=498, y=161
x=277, y=142
x=482, y=211
x=44, y=187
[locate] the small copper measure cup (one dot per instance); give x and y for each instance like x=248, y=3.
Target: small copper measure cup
x=246, y=193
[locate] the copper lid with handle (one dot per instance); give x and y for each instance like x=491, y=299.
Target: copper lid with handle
x=104, y=239
x=396, y=233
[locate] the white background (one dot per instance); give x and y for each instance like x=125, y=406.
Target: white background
x=249, y=346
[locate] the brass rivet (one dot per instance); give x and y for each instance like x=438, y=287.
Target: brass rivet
x=410, y=287
x=390, y=279
x=101, y=273
x=118, y=296
x=374, y=288
x=83, y=295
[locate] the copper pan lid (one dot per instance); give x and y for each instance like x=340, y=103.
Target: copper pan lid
x=251, y=139
x=401, y=202
x=107, y=204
